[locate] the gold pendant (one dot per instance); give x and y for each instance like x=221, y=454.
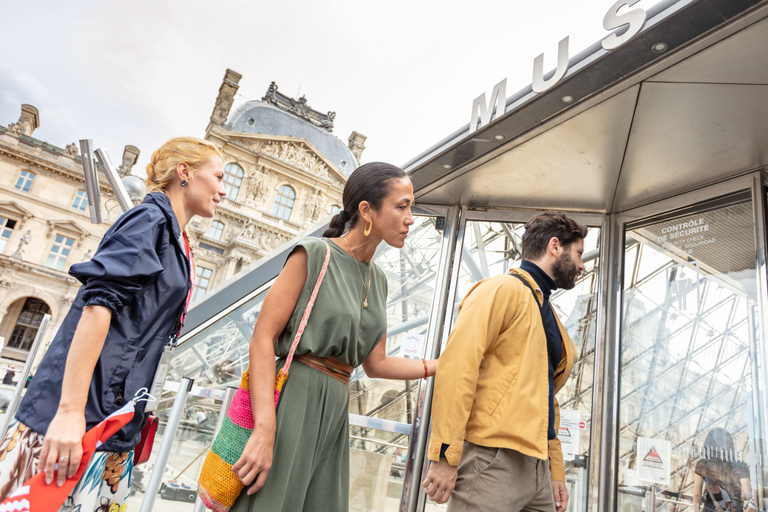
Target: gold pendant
x=365, y=304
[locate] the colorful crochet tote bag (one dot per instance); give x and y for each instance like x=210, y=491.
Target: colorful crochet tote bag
x=218, y=486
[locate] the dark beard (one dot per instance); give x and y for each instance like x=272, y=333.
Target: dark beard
x=565, y=272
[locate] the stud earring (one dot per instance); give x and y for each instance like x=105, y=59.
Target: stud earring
x=183, y=183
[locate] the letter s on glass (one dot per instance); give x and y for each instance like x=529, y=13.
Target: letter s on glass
x=635, y=19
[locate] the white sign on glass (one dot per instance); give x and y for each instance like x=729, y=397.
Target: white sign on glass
x=570, y=432
x=412, y=345
x=653, y=460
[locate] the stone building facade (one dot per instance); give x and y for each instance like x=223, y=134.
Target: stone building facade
x=45, y=227
x=284, y=171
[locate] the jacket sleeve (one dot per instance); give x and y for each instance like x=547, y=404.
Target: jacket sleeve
x=129, y=256
x=556, y=464
x=485, y=312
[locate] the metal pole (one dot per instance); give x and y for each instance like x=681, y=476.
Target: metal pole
x=165, y=446
x=16, y=400
x=199, y=506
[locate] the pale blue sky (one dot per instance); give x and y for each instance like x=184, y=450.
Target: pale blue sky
x=404, y=73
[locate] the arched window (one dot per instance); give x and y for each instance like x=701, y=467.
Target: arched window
x=217, y=228
x=81, y=201
x=233, y=177
x=333, y=209
x=284, y=202
x=25, y=181
x=27, y=324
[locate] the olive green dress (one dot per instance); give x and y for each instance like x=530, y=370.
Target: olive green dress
x=310, y=467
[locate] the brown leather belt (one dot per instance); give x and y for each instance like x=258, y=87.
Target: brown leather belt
x=328, y=365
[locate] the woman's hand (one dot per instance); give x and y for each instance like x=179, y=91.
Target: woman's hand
x=256, y=460
x=63, y=444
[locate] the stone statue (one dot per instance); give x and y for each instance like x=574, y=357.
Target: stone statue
x=87, y=256
x=328, y=121
x=24, y=240
x=15, y=129
x=258, y=183
x=271, y=95
x=72, y=150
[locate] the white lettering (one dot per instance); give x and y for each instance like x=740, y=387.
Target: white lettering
x=498, y=96
x=541, y=85
x=612, y=21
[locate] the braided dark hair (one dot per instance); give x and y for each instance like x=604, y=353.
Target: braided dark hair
x=369, y=182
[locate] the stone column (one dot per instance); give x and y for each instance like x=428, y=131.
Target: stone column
x=357, y=144
x=226, y=97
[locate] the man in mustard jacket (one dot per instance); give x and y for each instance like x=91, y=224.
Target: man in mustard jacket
x=495, y=417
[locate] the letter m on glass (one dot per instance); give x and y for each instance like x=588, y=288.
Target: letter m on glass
x=485, y=110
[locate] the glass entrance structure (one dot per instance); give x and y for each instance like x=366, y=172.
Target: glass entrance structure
x=661, y=151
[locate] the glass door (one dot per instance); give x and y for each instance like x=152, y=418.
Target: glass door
x=688, y=431
x=491, y=246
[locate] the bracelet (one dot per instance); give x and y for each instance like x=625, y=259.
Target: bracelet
x=426, y=371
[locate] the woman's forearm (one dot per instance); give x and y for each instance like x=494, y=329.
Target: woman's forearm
x=84, y=352
x=398, y=368
x=262, y=382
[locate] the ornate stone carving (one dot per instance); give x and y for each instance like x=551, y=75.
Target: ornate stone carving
x=258, y=183
x=23, y=241
x=87, y=256
x=313, y=207
x=72, y=150
x=298, y=155
x=14, y=129
x=299, y=108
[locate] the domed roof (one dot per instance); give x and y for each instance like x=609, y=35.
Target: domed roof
x=266, y=119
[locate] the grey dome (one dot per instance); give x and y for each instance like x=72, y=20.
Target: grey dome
x=261, y=118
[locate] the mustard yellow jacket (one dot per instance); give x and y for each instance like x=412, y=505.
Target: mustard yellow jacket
x=492, y=385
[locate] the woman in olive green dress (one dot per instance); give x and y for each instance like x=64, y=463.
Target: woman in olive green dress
x=297, y=458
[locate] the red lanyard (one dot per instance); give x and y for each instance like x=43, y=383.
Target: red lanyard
x=191, y=258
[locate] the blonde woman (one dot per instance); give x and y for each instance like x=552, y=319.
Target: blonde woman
x=130, y=307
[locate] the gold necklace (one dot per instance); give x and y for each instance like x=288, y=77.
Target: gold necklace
x=365, y=289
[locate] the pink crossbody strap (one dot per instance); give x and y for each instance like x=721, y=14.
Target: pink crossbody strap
x=282, y=375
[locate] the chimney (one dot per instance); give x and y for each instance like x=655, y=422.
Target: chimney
x=130, y=157
x=29, y=120
x=357, y=144
x=226, y=97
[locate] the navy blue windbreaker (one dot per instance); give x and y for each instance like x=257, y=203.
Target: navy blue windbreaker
x=141, y=273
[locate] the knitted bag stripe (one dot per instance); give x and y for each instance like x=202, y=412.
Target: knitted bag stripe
x=219, y=487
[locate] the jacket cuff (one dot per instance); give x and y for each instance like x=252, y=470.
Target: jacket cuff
x=108, y=300
x=557, y=469
x=452, y=453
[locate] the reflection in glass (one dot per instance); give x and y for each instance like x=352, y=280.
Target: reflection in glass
x=686, y=372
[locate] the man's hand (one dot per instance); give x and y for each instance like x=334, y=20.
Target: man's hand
x=440, y=481
x=561, y=495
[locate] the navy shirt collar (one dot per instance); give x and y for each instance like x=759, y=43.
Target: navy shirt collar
x=164, y=202
x=546, y=283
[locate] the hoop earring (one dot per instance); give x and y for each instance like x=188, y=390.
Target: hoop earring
x=183, y=183
x=368, y=228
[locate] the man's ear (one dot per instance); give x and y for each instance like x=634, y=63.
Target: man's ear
x=554, y=247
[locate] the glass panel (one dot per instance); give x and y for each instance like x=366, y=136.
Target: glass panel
x=218, y=354
x=492, y=248
x=687, y=381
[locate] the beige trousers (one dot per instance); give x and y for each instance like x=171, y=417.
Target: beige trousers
x=501, y=480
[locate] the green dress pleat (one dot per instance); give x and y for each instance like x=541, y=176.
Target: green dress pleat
x=310, y=466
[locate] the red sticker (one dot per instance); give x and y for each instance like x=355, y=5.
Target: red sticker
x=582, y=425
